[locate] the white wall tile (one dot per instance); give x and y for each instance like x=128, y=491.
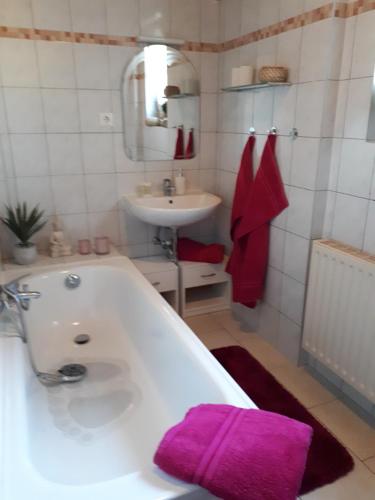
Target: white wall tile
x=208, y=112
x=122, y=162
x=347, y=49
x=29, y=154
x=101, y=192
x=349, y=219
x=284, y=108
x=89, y=16
x=358, y=107
x=119, y=58
x=292, y=299
x=269, y=13
x=315, y=59
x=357, y=165
x=35, y=191
x=273, y=288
x=299, y=213
x=249, y=16
x=123, y=17
x=226, y=182
x=277, y=243
x=309, y=112
x=369, y=245
x=210, y=21
x=209, y=72
x=91, y=66
x=364, y=46
x=305, y=162
x=208, y=151
x=284, y=148
x=97, y=153
x=132, y=230
x=105, y=224
x=17, y=13
x=185, y=20
x=69, y=194
x=91, y=104
x=56, y=64
x=339, y=113
x=155, y=17
x=18, y=63
x=269, y=324
x=289, y=339
x=290, y=8
x=24, y=110
x=266, y=53
x=127, y=182
x=296, y=257
x=230, y=19
x=288, y=52
x=60, y=110
x=75, y=227
x=64, y=154
x=52, y=14
x=263, y=110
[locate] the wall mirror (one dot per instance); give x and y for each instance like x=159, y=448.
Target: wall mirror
x=160, y=100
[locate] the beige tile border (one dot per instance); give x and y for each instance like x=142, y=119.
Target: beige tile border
x=340, y=10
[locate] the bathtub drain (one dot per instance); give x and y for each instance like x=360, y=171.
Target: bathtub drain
x=81, y=339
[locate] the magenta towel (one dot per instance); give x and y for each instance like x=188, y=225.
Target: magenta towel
x=237, y=454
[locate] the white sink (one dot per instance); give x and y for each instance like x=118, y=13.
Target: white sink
x=172, y=211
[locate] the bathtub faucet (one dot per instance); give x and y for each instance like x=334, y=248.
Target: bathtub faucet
x=11, y=294
x=22, y=297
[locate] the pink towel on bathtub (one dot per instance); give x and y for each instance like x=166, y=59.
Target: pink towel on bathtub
x=237, y=454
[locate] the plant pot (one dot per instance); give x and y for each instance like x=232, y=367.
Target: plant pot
x=24, y=255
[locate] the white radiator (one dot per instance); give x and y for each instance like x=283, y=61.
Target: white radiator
x=339, y=327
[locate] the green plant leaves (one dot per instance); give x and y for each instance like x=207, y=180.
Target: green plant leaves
x=22, y=223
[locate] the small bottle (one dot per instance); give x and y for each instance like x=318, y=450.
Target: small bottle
x=180, y=183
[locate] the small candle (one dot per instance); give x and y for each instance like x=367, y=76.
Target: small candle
x=101, y=245
x=84, y=247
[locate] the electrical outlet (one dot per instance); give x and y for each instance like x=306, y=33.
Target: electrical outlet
x=106, y=119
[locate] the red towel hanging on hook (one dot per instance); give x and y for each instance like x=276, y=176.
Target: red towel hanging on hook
x=179, y=150
x=190, y=145
x=256, y=203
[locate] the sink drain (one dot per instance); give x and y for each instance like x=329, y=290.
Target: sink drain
x=81, y=339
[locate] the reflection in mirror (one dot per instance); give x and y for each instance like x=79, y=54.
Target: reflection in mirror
x=160, y=99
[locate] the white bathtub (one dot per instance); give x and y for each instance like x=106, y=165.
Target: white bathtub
x=95, y=439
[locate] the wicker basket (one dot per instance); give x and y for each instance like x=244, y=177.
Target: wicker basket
x=273, y=74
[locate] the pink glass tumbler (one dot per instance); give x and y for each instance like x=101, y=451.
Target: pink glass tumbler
x=102, y=245
x=84, y=247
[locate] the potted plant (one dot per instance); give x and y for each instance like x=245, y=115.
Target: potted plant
x=24, y=225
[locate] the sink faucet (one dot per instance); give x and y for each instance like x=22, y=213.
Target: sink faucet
x=12, y=295
x=168, y=188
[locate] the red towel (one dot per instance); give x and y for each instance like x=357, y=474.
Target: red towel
x=237, y=454
x=190, y=146
x=251, y=217
x=188, y=249
x=179, y=151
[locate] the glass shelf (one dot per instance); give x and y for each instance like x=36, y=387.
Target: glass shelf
x=254, y=86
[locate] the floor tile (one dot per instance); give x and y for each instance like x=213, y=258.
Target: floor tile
x=204, y=323
x=217, y=338
x=350, y=429
x=302, y=385
x=357, y=485
x=370, y=463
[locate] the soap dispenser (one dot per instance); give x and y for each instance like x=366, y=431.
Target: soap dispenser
x=180, y=183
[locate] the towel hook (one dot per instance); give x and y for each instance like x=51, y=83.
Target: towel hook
x=294, y=133
x=272, y=131
x=252, y=131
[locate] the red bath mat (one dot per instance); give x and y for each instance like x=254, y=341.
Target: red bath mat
x=328, y=460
